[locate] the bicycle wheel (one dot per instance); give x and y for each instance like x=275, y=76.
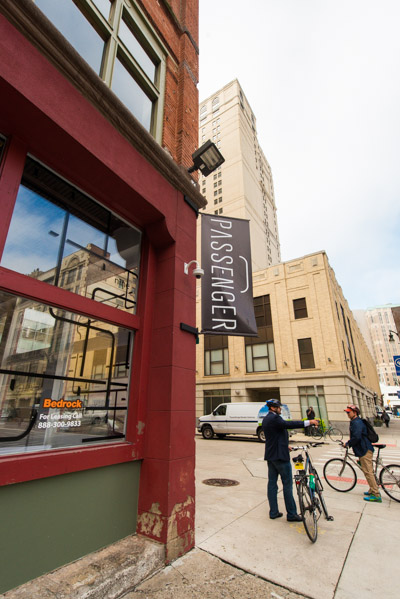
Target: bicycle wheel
x=319, y=488
x=340, y=475
x=316, y=433
x=335, y=434
x=308, y=511
x=389, y=479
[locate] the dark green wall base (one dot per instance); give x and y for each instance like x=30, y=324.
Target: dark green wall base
x=45, y=524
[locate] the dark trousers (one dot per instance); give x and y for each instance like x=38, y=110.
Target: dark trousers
x=284, y=470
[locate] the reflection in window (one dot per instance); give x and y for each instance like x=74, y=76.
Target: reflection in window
x=104, y=7
x=63, y=377
x=60, y=236
x=122, y=49
x=76, y=28
x=131, y=94
x=137, y=50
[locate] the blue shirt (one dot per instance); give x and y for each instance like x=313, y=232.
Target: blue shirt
x=358, y=438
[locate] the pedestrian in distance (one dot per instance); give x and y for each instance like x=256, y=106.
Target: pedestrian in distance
x=310, y=416
x=363, y=449
x=385, y=417
x=277, y=455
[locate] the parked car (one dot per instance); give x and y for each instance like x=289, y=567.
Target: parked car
x=241, y=418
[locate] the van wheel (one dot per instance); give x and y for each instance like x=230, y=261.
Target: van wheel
x=221, y=435
x=261, y=435
x=207, y=431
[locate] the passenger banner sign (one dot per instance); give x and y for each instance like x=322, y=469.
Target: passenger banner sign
x=396, y=360
x=226, y=287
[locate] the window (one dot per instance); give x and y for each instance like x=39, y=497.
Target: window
x=260, y=351
x=57, y=377
x=212, y=399
x=59, y=235
x=313, y=396
x=121, y=48
x=215, y=105
x=306, y=353
x=260, y=357
x=216, y=355
x=300, y=308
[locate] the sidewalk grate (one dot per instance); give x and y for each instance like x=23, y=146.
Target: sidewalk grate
x=221, y=482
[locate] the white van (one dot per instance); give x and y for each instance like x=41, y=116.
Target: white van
x=243, y=418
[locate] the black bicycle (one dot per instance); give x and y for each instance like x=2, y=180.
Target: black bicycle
x=340, y=474
x=335, y=434
x=309, y=491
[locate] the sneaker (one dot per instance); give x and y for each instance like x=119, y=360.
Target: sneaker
x=367, y=492
x=376, y=498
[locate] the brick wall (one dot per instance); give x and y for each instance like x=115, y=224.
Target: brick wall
x=176, y=23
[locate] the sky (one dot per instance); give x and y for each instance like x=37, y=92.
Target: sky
x=323, y=80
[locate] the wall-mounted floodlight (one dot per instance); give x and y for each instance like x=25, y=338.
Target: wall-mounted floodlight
x=206, y=159
x=391, y=338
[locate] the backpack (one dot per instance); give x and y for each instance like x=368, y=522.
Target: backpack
x=372, y=435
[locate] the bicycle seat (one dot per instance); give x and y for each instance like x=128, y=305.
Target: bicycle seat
x=379, y=445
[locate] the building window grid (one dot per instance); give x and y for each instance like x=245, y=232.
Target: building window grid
x=119, y=52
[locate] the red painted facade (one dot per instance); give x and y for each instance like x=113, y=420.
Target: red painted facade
x=44, y=115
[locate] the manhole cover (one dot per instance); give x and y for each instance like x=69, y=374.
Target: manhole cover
x=220, y=482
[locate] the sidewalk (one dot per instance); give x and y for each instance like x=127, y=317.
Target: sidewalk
x=354, y=556
x=240, y=553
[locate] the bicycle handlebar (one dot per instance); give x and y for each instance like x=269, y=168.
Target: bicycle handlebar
x=315, y=444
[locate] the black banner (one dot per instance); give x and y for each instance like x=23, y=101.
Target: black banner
x=226, y=287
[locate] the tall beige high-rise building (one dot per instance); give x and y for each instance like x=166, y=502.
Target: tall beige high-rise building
x=375, y=324
x=242, y=187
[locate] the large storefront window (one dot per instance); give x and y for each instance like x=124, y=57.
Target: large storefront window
x=61, y=236
x=64, y=377
x=120, y=46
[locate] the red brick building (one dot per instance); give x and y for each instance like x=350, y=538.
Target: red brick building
x=98, y=122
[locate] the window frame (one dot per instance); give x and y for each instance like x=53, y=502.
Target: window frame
x=305, y=354
x=17, y=468
x=114, y=47
x=299, y=310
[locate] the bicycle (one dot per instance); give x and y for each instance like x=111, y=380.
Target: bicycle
x=335, y=434
x=309, y=491
x=341, y=476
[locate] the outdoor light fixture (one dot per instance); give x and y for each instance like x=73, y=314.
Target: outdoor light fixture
x=391, y=338
x=206, y=159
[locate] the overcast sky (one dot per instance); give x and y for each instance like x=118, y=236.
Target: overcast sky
x=323, y=80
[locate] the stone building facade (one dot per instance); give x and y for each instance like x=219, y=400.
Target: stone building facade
x=309, y=350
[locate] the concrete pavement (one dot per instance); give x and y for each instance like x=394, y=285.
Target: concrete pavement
x=354, y=556
x=240, y=553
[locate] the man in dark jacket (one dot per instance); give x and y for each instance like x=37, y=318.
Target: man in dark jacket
x=363, y=449
x=277, y=456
